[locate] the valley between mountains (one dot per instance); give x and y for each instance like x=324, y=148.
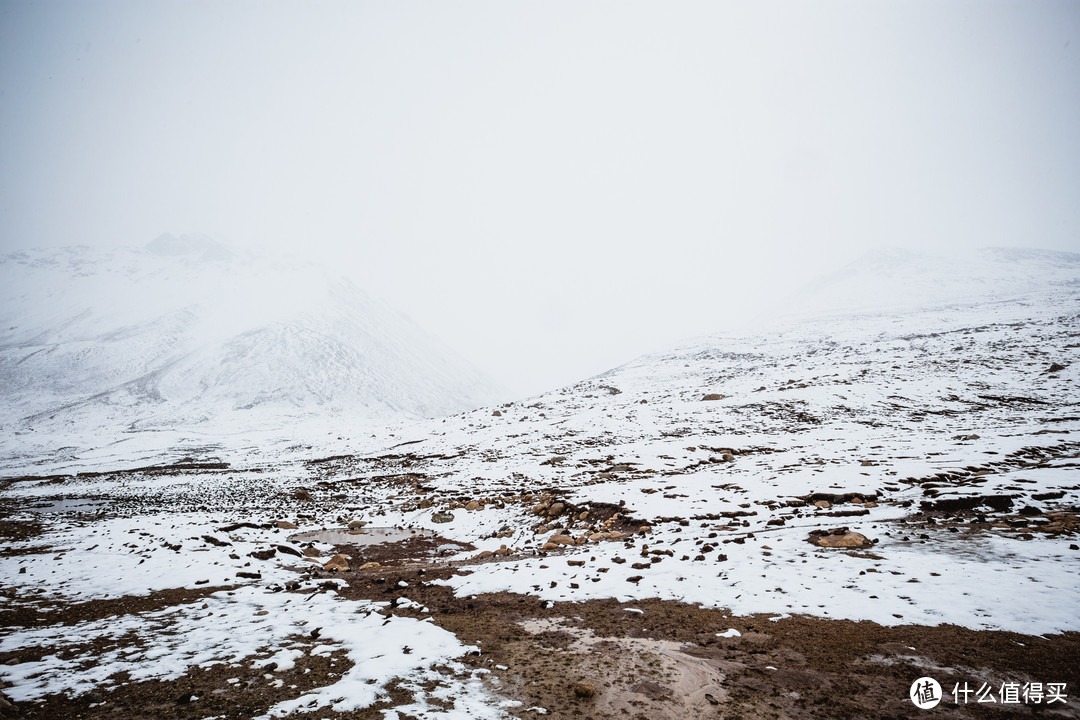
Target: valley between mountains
x=793, y=522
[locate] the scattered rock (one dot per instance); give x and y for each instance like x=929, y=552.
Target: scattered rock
x=312, y=552
x=1055, y=368
x=339, y=563
x=839, y=538
x=285, y=525
x=370, y=566
x=287, y=550
x=556, y=509
x=263, y=554
x=472, y=505
x=249, y=575
x=301, y=494
x=442, y=517
x=496, y=413
x=584, y=689
x=357, y=524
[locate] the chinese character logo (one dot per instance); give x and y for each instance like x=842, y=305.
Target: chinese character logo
x=925, y=693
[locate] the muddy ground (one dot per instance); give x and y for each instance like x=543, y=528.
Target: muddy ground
x=646, y=660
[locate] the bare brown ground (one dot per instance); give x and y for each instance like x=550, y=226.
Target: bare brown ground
x=666, y=661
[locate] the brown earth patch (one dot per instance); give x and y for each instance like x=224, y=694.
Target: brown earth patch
x=664, y=661
x=53, y=613
x=252, y=695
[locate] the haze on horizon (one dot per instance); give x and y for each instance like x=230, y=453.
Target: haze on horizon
x=552, y=188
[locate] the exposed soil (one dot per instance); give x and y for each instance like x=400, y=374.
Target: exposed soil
x=661, y=659
x=61, y=614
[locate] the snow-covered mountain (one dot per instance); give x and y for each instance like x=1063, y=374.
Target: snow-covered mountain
x=736, y=502
x=183, y=334
x=896, y=280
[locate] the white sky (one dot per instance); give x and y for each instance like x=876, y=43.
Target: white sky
x=551, y=187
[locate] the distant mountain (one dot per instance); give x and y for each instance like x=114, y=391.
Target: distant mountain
x=902, y=280
x=183, y=332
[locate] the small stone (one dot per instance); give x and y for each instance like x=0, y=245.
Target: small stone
x=472, y=505
x=839, y=538
x=823, y=504
x=496, y=413
x=312, y=552
x=558, y=539
x=442, y=517
x=285, y=525
x=712, y=396
x=584, y=689
x=188, y=697
x=556, y=509
x=339, y=563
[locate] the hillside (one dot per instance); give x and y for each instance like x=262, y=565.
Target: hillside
x=183, y=336
x=798, y=521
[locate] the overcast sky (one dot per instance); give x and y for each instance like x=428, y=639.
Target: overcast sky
x=551, y=187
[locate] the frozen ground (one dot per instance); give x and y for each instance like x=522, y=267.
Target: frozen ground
x=948, y=438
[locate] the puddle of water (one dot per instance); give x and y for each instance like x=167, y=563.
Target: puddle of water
x=68, y=505
x=363, y=536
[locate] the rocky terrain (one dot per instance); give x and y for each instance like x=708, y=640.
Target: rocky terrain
x=798, y=522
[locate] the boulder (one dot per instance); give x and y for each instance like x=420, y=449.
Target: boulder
x=839, y=538
x=584, y=689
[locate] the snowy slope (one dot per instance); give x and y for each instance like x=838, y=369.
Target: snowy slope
x=947, y=434
x=182, y=334
x=895, y=280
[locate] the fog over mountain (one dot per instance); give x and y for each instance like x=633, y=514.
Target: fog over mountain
x=182, y=334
